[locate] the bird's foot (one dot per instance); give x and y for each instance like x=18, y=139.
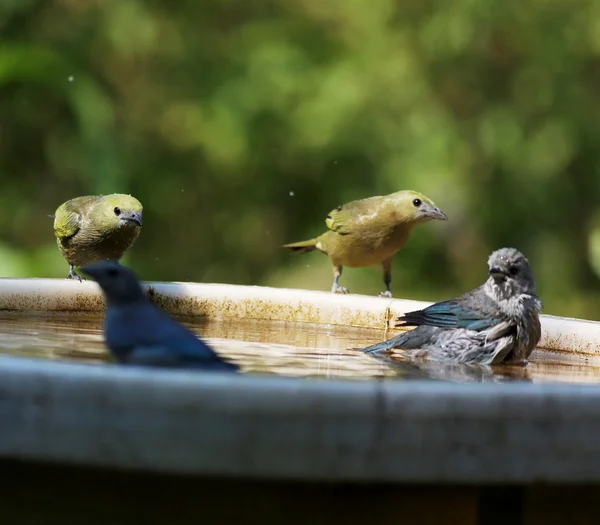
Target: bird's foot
x=73, y=275
x=340, y=289
x=387, y=294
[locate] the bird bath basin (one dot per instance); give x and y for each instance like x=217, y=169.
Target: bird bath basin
x=466, y=438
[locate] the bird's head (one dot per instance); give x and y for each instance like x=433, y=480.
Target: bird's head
x=510, y=273
x=417, y=208
x=119, y=284
x=120, y=211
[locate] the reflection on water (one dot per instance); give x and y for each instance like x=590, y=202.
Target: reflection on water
x=283, y=348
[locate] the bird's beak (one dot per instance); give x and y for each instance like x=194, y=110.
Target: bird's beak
x=497, y=274
x=436, y=213
x=132, y=216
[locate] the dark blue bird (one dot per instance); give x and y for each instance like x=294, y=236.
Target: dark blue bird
x=138, y=333
x=497, y=322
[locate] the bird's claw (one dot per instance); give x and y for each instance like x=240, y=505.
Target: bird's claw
x=72, y=276
x=340, y=289
x=387, y=294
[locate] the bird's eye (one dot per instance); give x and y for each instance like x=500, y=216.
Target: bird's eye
x=417, y=202
x=117, y=211
x=513, y=270
x=112, y=272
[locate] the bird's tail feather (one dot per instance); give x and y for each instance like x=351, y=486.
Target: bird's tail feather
x=302, y=246
x=394, y=342
x=225, y=366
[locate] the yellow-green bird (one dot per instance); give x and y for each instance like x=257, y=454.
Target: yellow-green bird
x=96, y=228
x=370, y=231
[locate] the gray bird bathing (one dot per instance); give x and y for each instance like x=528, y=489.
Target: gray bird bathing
x=458, y=452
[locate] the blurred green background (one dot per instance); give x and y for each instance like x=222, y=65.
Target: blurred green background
x=240, y=123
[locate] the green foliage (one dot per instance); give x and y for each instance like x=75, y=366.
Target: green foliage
x=239, y=125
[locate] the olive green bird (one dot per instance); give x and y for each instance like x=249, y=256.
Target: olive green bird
x=96, y=228
x=370, y=231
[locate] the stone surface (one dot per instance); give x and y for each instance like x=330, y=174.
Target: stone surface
x=280, y=428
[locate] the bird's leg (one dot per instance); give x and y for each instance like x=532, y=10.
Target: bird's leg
x=336, y=288
x=73, y=275
x=387, y=278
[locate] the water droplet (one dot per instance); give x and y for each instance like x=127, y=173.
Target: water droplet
x=291, y=193
x=71, y=78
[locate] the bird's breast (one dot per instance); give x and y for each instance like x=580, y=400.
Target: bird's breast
x=366, y=247
x=92, y=244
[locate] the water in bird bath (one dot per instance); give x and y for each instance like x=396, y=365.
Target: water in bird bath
x=276, y=347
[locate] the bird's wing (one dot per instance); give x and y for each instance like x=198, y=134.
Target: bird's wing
x=68, y=216
x=165, y=357
x=420, y=336
x=463, y=312
x=67, y=221
x=158, y=355
x=347, y=218
x=146, y=332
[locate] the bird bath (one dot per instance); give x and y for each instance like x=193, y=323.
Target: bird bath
x=293, y=448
